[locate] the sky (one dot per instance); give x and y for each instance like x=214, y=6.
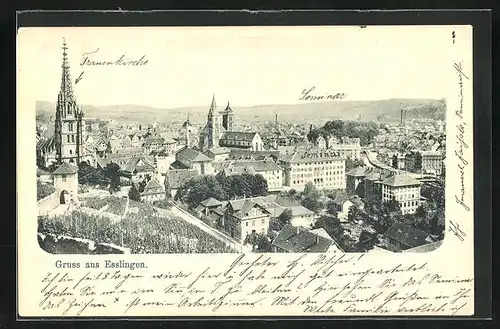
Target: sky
x=243, y=65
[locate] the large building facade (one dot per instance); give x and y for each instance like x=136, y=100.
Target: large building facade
x=324, y=168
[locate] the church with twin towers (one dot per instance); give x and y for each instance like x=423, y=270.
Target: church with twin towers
x=219, y=132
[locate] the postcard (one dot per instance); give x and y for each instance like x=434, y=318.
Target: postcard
x=248, y=171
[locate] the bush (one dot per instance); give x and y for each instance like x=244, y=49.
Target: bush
x=43, y=190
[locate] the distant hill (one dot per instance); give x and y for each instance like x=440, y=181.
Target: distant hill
x=383, y=110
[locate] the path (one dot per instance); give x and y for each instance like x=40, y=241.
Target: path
x=201, y=225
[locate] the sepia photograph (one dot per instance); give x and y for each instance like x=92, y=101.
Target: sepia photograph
x=245, y=171
x=219, y=141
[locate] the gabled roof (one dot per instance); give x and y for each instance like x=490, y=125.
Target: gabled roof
x=193, y=155
x=66, y=169
x=258, y=166
x=45, y=145
x=426, y=247
x=298, y=239
x=138, y=163
x=177, y=178
x=153, y=184
x=357, y=172
x=217, y=151
x=238, y=136
x=407, y=235
x=400, y=180
x=211, y=202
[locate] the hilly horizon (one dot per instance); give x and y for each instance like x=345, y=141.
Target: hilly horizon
x=381, y=110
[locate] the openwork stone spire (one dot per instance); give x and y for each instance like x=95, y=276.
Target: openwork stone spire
x=66, y=92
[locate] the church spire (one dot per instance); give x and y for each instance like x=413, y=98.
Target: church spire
x=213, y=106
x=66, y=91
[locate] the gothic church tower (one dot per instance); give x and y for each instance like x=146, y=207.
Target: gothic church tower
x=69, y=122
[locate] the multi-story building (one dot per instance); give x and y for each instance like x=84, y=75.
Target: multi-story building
x=404, y=189
x=346, y=147
x=324, y=168
x=188, y=158
x=432, y=162
x=271, y=172
x=244, y=217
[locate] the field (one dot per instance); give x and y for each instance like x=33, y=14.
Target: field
x=116, y=205
x=142, y=230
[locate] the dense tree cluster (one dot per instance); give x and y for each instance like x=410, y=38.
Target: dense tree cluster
x=222, y=187
x=43, y=190
x=365, y=131
x=311, y=198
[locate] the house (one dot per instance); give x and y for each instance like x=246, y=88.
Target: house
x=153, y=144
x=269, y=169
x=153, y=191
x=206, y=206
x=301, y=216
x=218, y=154
x=247, y=155
x=321, y=142
x=242, y=140
x=298, y=240
x=189, y=158
x=404, y=189
x=431, y=246
x=402, y=237
x=244, y=217
x=175, y=179
x=354, y=180
x=344, y=202
x=137, y=169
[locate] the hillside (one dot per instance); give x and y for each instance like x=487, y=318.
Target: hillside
x=383, y=110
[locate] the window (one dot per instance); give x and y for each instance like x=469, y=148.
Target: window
x=72, y=138
x=70, y=151
x=63, y=178
x=68, y=139
x=246, y=223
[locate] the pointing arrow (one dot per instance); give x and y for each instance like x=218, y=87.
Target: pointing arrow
x=79, y=78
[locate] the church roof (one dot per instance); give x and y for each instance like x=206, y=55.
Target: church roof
x=228, y=109
x=66, y=169
x=239, y=136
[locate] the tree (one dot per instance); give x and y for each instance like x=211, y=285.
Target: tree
x=263, y=243
x=285, y=217
x=366, y=241
x=168, y=189
x=352, y=215
x=134, y=193
x=112, y=172
x=142, y=185
x=330, y=225
x=331, y=208
x=259, y=185
x=395, y=161
x=420, y=212
x=311, y=198
x=43, y=190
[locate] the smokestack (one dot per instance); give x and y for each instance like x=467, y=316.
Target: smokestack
x=401, y=117
x=276, y=119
